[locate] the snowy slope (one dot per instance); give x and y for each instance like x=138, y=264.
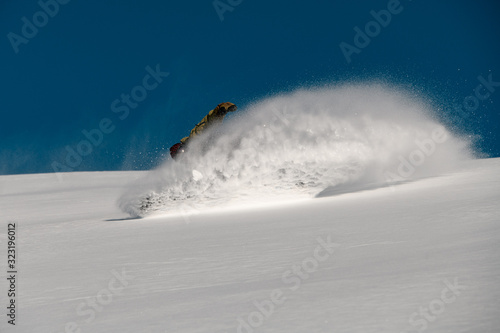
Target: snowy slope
x=430, y=243
x=340, y=209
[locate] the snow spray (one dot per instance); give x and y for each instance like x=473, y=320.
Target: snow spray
x=296, y=145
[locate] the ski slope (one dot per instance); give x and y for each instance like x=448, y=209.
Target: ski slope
x=340, y=209
x=427, y=245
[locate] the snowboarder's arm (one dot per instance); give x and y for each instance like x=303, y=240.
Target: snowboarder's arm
x=216, y=116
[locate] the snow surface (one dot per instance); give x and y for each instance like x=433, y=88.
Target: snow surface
x=298, y=218
x=201, y=272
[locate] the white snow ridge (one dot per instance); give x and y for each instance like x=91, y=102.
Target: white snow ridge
x=297, y=146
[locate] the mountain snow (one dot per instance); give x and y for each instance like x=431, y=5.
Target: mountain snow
x=349, y=209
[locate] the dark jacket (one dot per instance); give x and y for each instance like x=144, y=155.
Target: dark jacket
x=214, y=117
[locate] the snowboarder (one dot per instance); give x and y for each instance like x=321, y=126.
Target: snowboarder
x=214, y=117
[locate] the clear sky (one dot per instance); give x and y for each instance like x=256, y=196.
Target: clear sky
x=68, y=66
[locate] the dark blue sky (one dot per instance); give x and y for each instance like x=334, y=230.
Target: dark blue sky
x=65, y=76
